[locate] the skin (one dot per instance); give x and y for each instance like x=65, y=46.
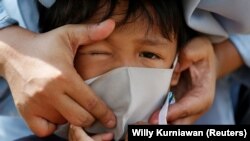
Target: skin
x=46, y=96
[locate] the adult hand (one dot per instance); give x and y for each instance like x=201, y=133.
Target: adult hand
x=45, y=86
x=196, y=88
x=78, y=134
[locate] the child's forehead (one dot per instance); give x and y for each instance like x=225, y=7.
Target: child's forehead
x=140, y=29
x=140, y=34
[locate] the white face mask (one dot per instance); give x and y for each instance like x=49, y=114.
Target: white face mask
x=133, y=94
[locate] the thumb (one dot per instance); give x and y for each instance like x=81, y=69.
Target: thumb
x=41, y=127
x=79, y=35
x=184, y=108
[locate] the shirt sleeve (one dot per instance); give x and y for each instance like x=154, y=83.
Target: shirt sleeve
x=242, y=44
x=232, y=15
x=218, y=19
x=242, y=75
x=5, y=19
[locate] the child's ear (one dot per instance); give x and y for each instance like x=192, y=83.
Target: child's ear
x=175, y=78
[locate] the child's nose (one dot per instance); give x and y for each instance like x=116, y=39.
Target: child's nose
x=129, y=62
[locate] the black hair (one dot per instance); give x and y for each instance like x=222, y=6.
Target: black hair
x=168, y=15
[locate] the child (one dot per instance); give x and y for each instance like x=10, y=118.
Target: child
x=148, y=33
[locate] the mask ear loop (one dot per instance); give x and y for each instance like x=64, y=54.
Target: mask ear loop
x=175, y=61
x=169, y=100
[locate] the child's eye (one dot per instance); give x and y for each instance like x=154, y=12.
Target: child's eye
x=99, y=53
x=149, y=55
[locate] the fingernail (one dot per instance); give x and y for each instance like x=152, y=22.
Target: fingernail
x=155, y=121
x=104, y=23
x=154, y=118
x=111, y=123
x=98, y=25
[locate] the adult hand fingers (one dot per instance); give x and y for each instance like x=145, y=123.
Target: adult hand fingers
x=40, y=126
x=187, y=106
x=187, y=55
x=73, y=112
x=85, y=97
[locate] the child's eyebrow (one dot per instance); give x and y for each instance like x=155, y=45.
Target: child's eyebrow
x=152, y=41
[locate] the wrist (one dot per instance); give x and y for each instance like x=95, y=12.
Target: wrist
x=11, y=39
x=228, y=58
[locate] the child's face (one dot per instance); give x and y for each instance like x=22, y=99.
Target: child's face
x=130, y=45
